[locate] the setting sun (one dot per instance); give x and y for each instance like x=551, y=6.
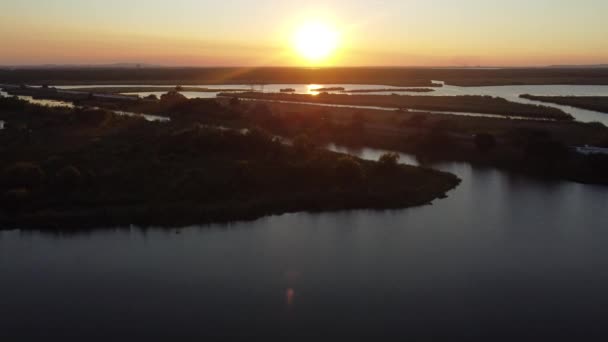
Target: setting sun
x=315, y=41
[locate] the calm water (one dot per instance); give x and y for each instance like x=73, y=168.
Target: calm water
x=503, y=257
x=510, y=93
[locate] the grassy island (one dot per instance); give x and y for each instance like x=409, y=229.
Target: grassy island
x=596, y=103
x=76, y=168
x=473, y=104
x=391, y=90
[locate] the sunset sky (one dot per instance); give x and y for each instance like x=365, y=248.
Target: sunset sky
x=261, y=32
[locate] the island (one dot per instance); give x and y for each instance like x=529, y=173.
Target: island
x=468, y=103
x=391, y=90
x=595, y=103
x=91, y=168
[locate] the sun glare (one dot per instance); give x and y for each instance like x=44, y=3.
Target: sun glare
x=316, y=42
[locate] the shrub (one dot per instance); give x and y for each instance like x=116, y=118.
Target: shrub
x=348, y=170
x=172, y=97
x=235, y=101
x=303, y=145
x=23, y=175
x=16, y=198
x=69, y=177
x=389, y=160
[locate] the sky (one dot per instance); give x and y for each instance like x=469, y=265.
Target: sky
x=260, y=32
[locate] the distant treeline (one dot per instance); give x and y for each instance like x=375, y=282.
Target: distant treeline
x=381, y=76
x=596, y=103
x=143, y=89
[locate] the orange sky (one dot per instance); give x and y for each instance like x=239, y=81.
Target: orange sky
x=241, y=32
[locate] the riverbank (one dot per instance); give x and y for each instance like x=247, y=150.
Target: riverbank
x=91, y=168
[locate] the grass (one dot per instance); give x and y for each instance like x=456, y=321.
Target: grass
x=595, y=103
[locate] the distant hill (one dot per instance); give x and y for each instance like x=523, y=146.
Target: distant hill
x=588, y=66
x=84, y=66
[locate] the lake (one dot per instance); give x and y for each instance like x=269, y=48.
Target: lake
x=510, y=93
x=504, y=256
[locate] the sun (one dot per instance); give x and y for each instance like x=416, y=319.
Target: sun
x=316, y=41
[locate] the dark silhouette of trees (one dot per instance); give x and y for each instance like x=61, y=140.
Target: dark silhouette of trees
x=348, y=170
x=23, y=174
x=304, y=145
x=484, y=142
x=69, y=177
x=172, y=97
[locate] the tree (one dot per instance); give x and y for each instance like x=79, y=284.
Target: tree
x=172, y=97
x=69, y=177
x=23, y=175
x=16, y=199
x=389, y=160
x=235, y=101
x=348, y=170
x=303, y=144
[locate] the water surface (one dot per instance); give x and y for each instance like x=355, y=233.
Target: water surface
x=504, y=256
x=510, y=93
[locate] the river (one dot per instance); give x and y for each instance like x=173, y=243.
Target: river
x=503, y=257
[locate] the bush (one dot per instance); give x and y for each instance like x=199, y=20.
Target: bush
x=235, y=101
x=389, y=160
x=69, y=177
x=303, y=145
x=173, y=97
x=23, y=175
x=16, y=198
x=348, y=170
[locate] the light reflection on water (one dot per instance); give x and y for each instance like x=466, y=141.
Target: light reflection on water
x=510, y=93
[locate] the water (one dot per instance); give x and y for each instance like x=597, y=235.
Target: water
x=510, y=93
x=48, y=103
x=504, y=256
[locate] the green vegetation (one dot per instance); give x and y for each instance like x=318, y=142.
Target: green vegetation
x=538, y=148
x=77, y=167
x=596, y=103
x=473, y=104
